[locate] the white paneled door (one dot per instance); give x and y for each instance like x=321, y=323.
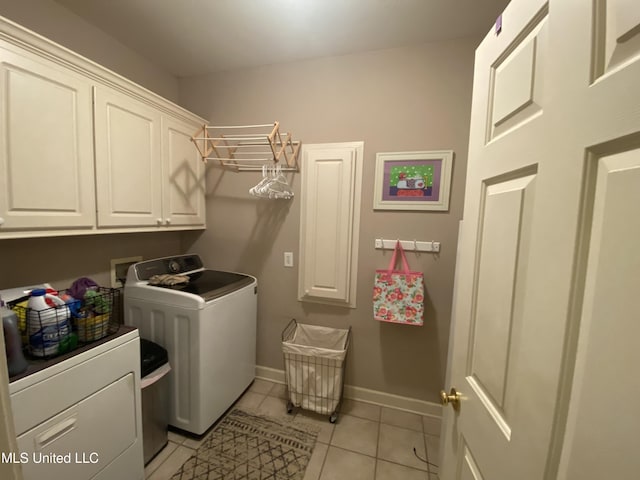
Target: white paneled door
x=545, y=328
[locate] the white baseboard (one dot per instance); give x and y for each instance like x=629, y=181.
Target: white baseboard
x=272, y=374
x=365, y=395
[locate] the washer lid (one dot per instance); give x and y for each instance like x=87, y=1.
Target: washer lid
x=211, y=284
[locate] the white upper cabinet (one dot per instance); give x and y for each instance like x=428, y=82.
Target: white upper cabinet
x=46, y=150
x=128, y=165
x=184, y=189
x=83, y=150
x=329, y=222
x=148, y=172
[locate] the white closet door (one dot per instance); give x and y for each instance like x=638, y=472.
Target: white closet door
x=183, y=199
x=46, y=151
x=329, y=223
x=128, y=164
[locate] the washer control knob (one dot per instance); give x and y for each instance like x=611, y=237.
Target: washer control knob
x=174, y=266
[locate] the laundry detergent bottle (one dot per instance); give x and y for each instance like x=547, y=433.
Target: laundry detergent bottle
x=48, y=327
x=16, y=362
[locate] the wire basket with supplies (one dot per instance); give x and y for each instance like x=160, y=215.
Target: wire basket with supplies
x=314, y=363
x=97, y=314
x=55, y=323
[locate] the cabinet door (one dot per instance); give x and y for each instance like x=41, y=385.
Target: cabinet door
x=46, y=150
x=183, y=196
x=128, y=164
x=329, y=222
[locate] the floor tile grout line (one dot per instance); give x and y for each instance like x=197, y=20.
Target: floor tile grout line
x=328, y=445
x=166, y=460
x=426, y=455
x=376, y=458
x=375, y=471
x=437, y=473
x=324, y=460
x=161, y=463
x=375, y=467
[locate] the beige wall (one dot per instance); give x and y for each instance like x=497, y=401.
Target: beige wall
x=405, y=99
x=61, y=260
x=66, y=28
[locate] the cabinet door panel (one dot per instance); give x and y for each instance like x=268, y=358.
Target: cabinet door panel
x=46, y=158
x=183, y=199
x=128, y=164
x=329, y=222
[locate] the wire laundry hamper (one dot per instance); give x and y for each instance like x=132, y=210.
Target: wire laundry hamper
x=314, y=362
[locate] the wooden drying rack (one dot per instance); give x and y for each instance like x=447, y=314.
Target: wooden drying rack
x=246, y=152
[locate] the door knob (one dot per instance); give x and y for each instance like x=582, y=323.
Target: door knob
x=453, y=398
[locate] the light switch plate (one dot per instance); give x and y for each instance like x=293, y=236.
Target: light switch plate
x=288, y=259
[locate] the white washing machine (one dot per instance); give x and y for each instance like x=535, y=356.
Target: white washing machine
x=208, y=327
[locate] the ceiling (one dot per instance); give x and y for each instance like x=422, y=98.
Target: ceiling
x=193, y=37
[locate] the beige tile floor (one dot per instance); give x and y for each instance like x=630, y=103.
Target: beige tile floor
x=368, y=442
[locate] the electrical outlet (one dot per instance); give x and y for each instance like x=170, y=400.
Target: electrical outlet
x=119, y=268
x=288, y=259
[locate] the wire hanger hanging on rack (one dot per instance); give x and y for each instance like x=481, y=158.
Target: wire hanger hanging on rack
x=273, y=184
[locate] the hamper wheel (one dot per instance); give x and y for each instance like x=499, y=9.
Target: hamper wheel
x=334, y=417
x=289, y=406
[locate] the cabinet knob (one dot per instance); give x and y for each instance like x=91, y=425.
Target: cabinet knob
x=1, y=220
x=167, y=221
x=159, y=221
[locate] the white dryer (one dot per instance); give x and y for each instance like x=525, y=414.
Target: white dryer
x=208, y=327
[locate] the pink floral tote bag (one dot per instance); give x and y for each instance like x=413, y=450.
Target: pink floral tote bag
x=398, y=295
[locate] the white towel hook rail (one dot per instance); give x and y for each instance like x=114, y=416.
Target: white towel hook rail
x=407, y=245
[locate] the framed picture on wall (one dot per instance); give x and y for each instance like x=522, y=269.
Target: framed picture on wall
x=413, y=180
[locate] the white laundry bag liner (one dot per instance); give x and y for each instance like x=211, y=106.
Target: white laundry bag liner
x=314, y=357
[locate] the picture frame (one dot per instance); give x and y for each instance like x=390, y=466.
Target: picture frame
x=413, y=180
